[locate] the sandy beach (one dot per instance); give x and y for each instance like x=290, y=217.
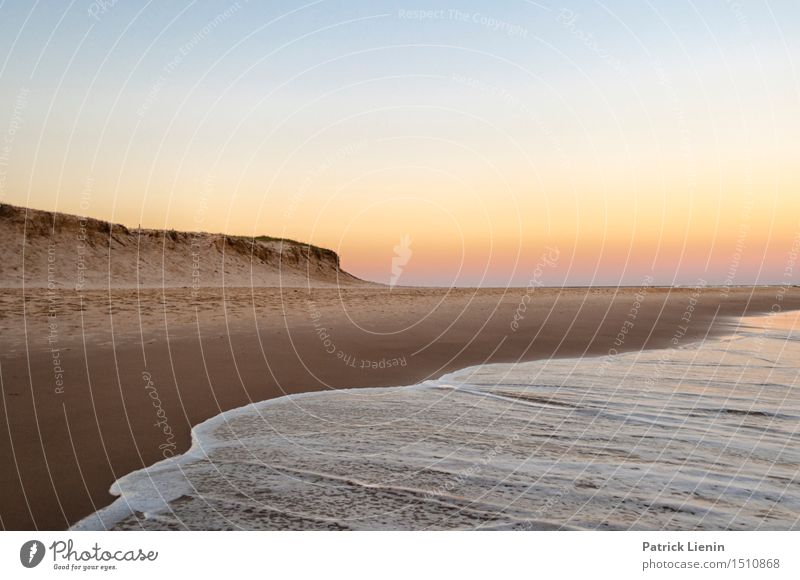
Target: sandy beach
x=375, y=267
x=99, y=383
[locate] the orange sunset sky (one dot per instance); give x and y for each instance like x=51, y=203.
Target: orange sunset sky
x=636, y=140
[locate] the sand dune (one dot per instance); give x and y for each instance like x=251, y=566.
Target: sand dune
x=42, y=248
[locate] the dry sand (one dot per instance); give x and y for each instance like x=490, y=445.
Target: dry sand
x=98, y=383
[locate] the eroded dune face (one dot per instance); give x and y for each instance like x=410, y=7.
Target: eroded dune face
x=43, y=249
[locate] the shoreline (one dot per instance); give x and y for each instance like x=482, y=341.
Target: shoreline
x=203, y=442
x=225, y=356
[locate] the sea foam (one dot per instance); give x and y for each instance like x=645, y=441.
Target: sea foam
x=703, y=437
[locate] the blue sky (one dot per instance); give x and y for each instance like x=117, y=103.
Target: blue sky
x=624, y=132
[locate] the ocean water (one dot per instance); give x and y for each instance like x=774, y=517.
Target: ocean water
x=702, y=437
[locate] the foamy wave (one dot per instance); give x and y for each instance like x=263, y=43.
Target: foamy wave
x=704, y=437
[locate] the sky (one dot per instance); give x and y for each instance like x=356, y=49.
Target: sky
x=464, y=143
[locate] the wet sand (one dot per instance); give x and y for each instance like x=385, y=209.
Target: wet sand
x=97, y=384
